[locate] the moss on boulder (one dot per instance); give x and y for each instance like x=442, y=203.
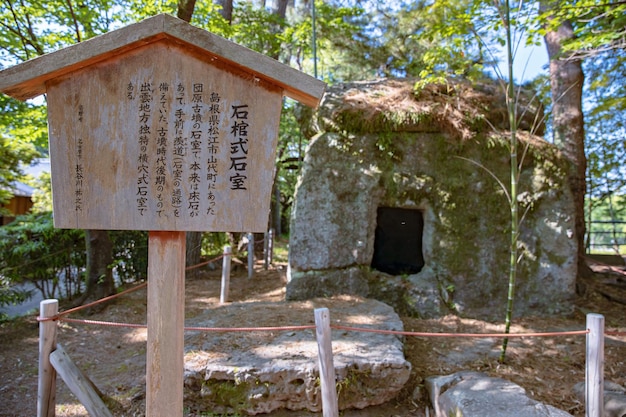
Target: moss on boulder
x=382, y=144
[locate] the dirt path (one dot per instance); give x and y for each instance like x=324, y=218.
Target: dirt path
x=114, y=358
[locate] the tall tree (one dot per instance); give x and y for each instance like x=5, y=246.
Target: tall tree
x=600, y=29
x=99, y=249
x=185, y=9
x=226, y=9
x=566, y=84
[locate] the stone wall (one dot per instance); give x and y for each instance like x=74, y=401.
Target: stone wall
x=380, y=144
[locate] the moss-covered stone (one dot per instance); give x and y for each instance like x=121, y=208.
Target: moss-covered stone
x=449, y=166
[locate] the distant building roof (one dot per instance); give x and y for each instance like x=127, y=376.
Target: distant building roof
x=34, y=169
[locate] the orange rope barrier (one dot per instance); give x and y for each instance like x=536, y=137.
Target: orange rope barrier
x=338, y=327
x=424, y=334
x=60, y=316
x=102, y=300
x=205, y=329
x=204, y=263
x=111, y=297
x=250, y=329
x=104, y=323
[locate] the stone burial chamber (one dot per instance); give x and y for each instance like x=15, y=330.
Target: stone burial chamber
x=403, y=197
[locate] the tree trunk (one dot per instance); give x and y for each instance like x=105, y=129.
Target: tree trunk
x=227, y=9
x=566, y=84
x=185, y=9
x=100, y=282
x=280, y=8
x=193, y=251
x=276, y=212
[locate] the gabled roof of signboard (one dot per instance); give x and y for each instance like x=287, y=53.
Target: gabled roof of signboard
x=28, y=79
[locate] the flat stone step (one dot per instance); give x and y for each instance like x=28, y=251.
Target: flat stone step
x=261, y=371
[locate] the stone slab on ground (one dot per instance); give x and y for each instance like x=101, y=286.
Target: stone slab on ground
x=474, y=394
x=262, y=371
x=614, y=398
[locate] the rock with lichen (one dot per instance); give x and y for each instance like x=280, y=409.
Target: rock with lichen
x=442, y=151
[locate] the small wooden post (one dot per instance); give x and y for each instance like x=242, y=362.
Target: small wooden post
x=46, y=390
x=266, y=241
x=594, y=371
x=268, y=248
x=228, y=254
x=330, y=405
x=250, y=255
x=166, y=317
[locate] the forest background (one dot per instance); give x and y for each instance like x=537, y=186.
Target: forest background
x=582, y=91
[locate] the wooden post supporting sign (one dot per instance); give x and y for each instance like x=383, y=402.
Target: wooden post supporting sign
x=166, y=321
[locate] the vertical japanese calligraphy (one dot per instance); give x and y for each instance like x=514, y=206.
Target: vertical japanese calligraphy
x=161, y=150
x=213, y=132
x=179, y=150
x=79, y=169
x=183, y=122
x=179, y=146
x=195, y=143
x=239, y=147
x=143, y=137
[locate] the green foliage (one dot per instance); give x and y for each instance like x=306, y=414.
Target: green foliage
x=32, y=28
x=25, y=124
x=42, y=196
x=9, y=162
x=11, y=295
x=32, y=249
x=598, y=26
x=18, y=140
x=213, y=243
x=256, y=28
x=130, y=255
x=606, y=228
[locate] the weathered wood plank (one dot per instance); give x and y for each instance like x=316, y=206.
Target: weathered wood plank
x=78, y=383
x=166, y=320
x=29, y=79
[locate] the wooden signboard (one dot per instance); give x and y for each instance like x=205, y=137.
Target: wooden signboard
x=161, y=126
x=177, y=144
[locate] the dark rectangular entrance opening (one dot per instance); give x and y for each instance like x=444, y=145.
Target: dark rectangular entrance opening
x=398, y=241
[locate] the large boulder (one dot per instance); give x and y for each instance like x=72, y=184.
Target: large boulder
x=614, y=398
x=439, y=151
x=259, y=372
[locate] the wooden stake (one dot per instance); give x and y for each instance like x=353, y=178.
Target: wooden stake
x=166, y=319
x=46, y=389
x=594, y=371
x=228, y=254
x=250, y=255
x=330, y=405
